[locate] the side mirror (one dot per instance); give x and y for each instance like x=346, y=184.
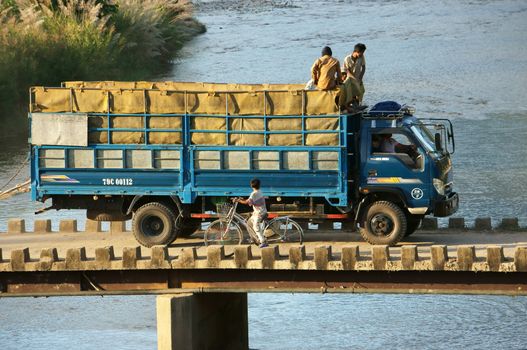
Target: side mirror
x=437, y=140
x=451, y=139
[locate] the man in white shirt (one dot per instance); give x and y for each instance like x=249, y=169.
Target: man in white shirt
x=355, y=66
x=257, y=201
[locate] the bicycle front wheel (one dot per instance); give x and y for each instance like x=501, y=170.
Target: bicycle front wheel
x=223, y=232
x=284, y=230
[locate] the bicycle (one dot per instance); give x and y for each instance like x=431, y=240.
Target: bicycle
x=228, y=228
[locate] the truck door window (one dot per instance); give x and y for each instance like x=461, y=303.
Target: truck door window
x=398, y=145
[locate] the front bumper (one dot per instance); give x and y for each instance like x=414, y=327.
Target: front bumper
x=446, y=206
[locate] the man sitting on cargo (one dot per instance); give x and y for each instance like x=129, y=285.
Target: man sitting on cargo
x=326, y=71
x=257, y=201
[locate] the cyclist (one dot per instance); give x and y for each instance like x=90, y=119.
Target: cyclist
x=257, y=201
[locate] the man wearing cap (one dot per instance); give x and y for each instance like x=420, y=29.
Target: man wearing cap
x=355, y=66
x=326, y=71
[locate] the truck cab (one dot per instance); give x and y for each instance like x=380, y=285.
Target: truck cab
x=405, y=171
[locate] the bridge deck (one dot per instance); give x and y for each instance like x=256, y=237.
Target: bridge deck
x=112, y=263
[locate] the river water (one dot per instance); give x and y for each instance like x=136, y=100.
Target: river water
x=462, y=60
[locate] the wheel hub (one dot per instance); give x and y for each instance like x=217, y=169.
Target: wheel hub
x=381, y=224
x=152, y=226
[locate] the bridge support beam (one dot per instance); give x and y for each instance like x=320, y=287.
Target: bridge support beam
x=202, y=321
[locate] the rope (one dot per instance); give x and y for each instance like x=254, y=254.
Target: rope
x=20, y=188
x=16, y=173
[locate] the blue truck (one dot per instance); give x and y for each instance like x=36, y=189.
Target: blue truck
x=164, y=155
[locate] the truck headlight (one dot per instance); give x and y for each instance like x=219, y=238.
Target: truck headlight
x=439, y=186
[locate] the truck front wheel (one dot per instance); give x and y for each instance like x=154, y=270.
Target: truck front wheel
x=154, y=224
x=385, y=223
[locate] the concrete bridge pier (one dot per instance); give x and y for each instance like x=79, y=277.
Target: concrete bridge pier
x=202, y=321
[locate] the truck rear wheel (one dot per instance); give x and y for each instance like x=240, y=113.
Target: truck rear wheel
x=385, y=223
x=154, y=224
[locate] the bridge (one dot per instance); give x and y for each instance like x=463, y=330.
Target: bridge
x=208, y=286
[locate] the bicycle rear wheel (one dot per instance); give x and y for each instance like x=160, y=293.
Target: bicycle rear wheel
x=221, y=232
x=284, y=229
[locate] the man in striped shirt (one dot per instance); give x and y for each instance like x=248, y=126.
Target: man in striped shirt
x=257, y=201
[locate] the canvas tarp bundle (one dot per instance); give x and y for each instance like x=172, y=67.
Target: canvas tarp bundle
x=166, y=102
x=155, y=137
x=135, y=101
x=321, y=131
x=179, y=86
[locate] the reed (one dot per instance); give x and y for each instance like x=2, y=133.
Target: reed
x=44, y=42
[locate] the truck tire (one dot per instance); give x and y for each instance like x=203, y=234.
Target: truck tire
x=188, y=226
x=154, y=224
x=412, y=224
x=385, y=223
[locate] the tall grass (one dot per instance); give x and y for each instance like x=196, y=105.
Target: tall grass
x=44, y=42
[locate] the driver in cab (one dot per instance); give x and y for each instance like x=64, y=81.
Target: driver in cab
x=390, y=145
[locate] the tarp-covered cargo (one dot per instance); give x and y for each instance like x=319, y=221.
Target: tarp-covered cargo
x=219, y=114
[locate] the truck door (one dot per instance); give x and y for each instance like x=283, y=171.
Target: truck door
x=396, y=163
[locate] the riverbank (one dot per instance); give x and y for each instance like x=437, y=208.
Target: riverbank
x=47, y=42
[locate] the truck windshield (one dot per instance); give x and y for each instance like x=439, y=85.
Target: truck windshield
x=425, y=137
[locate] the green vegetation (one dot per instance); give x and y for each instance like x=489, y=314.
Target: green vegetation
x=45, y=42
